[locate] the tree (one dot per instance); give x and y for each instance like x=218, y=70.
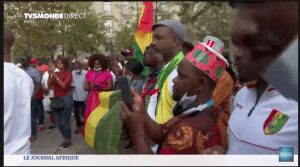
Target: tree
x=206, y=18
x=124, y=38
x=42, y=37
x=217, y=21
x=163, y=10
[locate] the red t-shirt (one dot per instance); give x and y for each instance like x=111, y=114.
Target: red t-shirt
x=43, y=68
x=65, y=77
x=39, y=94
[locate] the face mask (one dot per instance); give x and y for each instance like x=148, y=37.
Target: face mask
x=98, y=69
x=184, y=102
x=129, y=77
x=187, y=100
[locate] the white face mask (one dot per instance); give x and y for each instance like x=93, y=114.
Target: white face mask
x=187, y=100
x=129, y=77
x=98, y=69
x=183, y=103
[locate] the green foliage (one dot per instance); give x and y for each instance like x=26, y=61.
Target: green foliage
x=162, y=10
x=200, y=18
x=124, y=38
x=43, y=37
x=206, y=18
x=216, y=22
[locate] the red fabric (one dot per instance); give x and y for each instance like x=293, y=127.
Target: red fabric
x=92, y=102
x=39, y=94
x=216, y=139
x=52, y=119
x=182, y=135
x=150, y=93
x=146, y=21
x=167, y=150
x=33, y=61
x=43, y=68
x=270, y=89
x=65, y=77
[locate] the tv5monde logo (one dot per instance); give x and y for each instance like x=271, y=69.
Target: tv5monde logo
x=286, y=154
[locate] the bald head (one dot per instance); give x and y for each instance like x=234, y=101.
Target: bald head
x=9, y=37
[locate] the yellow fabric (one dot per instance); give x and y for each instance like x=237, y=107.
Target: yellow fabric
x=221, y=96
x=141, y=15
x=143, y=39
x=95, y=116
x=165, y=105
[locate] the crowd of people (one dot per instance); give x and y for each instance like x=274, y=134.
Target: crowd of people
x=193, y=101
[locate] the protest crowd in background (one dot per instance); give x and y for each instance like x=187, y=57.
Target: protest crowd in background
x=187, y=98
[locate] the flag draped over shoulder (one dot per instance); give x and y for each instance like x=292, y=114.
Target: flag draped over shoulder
x=103, y=126
x=143, y=34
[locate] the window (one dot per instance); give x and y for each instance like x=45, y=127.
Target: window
x=108, y=25
x=107, y=7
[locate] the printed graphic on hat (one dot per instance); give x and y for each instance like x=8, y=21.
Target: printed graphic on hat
x=286, y=154
x=211, y=43
x=274, y=122
x=201, y=56
x=207, y=61
x=219, y=72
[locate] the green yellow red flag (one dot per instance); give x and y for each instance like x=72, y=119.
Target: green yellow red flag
x=143, y=34
x=103, y=126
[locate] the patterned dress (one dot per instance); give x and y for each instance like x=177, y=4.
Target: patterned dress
x=191, y=134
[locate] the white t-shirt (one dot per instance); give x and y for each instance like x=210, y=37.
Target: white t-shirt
x=44, y=82
x=18, y=89
x=272, y=124
x=79, y=94
x=114, y=78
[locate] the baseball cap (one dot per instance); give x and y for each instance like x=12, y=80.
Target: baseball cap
x=126, y=52
x=33, y=61
x=174, y=25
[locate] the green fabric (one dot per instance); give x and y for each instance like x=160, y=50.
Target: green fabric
x=166, y=71
x=108, y=131
x=138, y=55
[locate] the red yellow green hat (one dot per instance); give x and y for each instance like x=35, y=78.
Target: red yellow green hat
x=207, y=56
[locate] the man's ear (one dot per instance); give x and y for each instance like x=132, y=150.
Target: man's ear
x=175, y=41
